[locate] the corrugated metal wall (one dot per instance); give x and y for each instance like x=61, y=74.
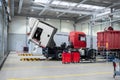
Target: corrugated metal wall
x=3, y=33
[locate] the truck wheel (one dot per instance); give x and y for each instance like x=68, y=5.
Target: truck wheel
x=46, y=55
x=92, y=54
x=59, y=55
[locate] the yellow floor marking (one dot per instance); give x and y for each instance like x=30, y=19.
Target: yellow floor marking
x=62, y=66
x=63, y=76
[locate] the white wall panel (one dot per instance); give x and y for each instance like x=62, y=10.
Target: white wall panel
x=1, y=34
x=55, y=23
x=84, y=27
x=116, y=26
x=17, y=42
x=66, y=26
x=61, y=37
x=18, y=25
x=94, y=41
x=95, y=30
x=61, y=25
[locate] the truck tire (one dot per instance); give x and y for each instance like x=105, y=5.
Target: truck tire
x=45, y=52
x=59, y=55
x=91, y=55
x=46, y=55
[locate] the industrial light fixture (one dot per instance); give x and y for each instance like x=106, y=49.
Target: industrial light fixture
x=80, y=14
x=0, y=3
x=68, y=20
x=37, y=0
x=48, y=19
x=41, y=1
x=32, y=10
x=90, y=7
x=63, y=3
x=57, y=12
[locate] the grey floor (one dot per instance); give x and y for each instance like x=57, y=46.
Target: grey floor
x=14, y=69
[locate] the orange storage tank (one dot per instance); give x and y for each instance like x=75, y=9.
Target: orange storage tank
x=78, y=39
x=109, y=40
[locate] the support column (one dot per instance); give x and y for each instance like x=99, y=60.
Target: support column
x=74, y=27
x=91, y=31
x=60, y=24
x=111, y=17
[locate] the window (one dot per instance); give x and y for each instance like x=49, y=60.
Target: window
x=82, y=38
x=37, y=34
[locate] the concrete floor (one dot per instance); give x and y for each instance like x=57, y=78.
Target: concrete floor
x=14, y=69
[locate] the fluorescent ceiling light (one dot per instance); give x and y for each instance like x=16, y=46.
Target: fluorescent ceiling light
x=0, y=3
x=41, y=1
x=116, y=16
x=32, y=10
x=56, y=2
x=90, y=6
x=67, y=21
x=57, y=12
x=48, y=19
x=63, y=3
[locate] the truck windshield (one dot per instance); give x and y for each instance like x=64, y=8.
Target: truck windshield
x=82, y=38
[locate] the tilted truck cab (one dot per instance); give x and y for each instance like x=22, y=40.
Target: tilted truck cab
x=42, y=34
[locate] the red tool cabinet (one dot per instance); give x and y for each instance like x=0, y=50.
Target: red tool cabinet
x=75, y=57
x=66, y=57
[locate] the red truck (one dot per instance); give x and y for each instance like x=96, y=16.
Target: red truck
x=42, y=34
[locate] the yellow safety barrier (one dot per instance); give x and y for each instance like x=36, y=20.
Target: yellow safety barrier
x=30, y=59
x=25, y=54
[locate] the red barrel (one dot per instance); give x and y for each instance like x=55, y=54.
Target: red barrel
x=66, y=57
x=75, y=57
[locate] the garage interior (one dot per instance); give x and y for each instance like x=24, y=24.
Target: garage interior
x=24, y=58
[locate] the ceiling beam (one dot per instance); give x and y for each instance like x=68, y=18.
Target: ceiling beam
x=12, y=7
x=47, y=5
x=71, y=11
x=20, y=6
x=83, y=1
x=81, y=18
x=0, y=3
x=114, y=4
x=65, y=10
x=93, y=2
x=45, y=17
x=110, y=6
